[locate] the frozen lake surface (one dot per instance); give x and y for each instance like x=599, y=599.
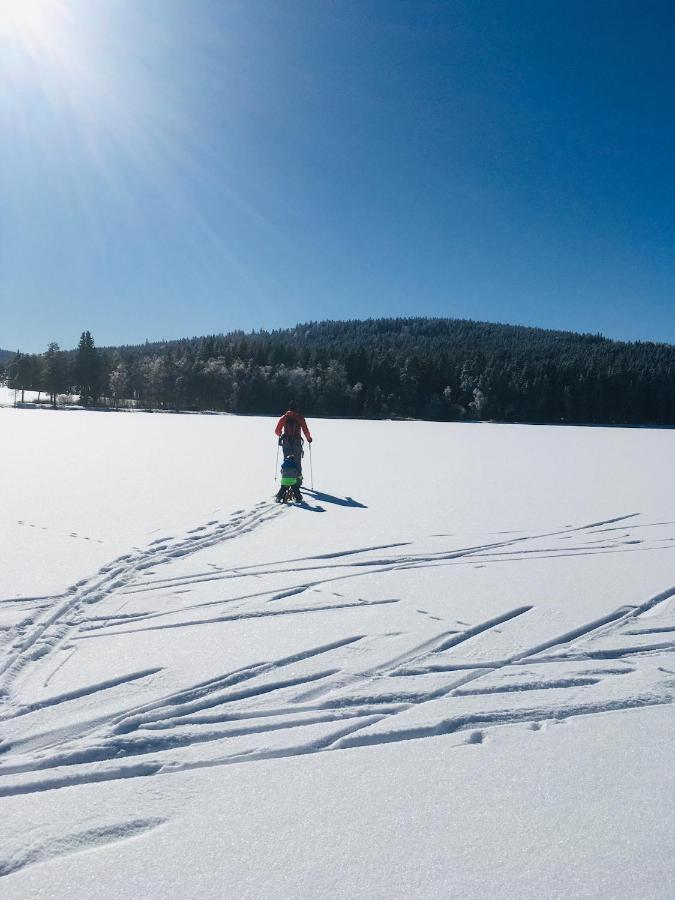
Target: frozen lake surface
x=449, y=673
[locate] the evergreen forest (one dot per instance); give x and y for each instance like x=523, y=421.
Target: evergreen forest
x=442, y=369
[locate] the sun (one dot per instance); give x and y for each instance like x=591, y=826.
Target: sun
x=29, y=22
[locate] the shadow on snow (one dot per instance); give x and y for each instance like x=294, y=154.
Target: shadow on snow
x=329, y=498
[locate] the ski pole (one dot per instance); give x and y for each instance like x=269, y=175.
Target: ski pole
x=276, y=464
x=311, y=467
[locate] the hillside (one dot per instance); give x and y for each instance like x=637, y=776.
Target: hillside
x=450, y=680
x=442, y=369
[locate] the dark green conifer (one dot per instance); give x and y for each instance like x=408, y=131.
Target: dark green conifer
x=87, y=370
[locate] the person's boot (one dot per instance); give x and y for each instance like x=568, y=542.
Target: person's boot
x=297, y=496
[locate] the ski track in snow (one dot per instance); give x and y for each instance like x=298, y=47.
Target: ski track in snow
x=369, y=686
x=36, y=637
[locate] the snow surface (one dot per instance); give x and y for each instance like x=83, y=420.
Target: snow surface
x=451, y=671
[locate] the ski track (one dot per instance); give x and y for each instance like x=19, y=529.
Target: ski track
x=35, y=640
x=319, y=699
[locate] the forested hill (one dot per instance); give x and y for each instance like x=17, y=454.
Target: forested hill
x=5, y=354
x=429, y=368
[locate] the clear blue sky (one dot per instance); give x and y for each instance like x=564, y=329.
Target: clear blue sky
x=180, y=167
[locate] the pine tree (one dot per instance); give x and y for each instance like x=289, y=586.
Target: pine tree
x=24, y=372
x=87, y=370
x=55, y=372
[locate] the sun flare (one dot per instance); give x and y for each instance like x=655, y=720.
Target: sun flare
x=28, y=21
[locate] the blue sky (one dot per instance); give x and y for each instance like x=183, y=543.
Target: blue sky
x=181, y=167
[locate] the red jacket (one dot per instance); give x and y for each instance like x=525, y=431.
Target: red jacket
x=299, y=424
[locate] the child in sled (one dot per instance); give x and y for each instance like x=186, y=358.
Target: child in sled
x=291, y=477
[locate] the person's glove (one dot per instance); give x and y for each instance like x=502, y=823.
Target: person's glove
x=281, y=442
x=309, y=440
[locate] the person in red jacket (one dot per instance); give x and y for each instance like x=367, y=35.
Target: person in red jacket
x=290, y=429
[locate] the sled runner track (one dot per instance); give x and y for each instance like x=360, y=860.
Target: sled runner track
x=503, y=550
x=506, y=717
x=168, y=724
x=109, y=742
x=343, y=739
x=352, y=569
x=184, y=702
x=191, y=699
x=82, y=692
x=158, y=583
x=597, y=626
x=337, y=695
x=236, y=617
x=508, y=687
x=58, y=622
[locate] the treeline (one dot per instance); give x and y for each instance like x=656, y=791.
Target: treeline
x=442, y=369
x=57, y=373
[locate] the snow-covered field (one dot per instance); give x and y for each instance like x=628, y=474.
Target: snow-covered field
x=448, y=675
